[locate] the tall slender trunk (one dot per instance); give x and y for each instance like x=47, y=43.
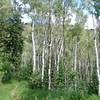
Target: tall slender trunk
x=59, y=55
x=33, y=48
x=75, y=63
x=97, y=57
x=49, y=69
x=58, y=59
x=75, y=60
x=50, y=44
x=55, y=59
x=91, y=71
x=97, y=63
x=43, y=65
x=64, y=54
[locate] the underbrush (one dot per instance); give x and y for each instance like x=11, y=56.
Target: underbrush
x=25, y=93
x=21, y=91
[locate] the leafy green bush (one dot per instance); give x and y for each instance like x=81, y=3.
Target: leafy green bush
x=29, y=94
x=7, y=76
x=35, y=80
x=93, y=84
x=24, y=73
x=6, y=69
x=59, y=76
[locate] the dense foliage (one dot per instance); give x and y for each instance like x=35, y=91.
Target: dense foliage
x=55, y=57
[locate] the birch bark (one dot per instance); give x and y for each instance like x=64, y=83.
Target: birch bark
x=33, y=48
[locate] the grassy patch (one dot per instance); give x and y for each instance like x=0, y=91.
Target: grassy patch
x=6, y=89
x=93, y=97
x=20, y=91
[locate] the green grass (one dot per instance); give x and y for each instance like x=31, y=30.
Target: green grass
x=6, y=90
x=93, y=97
x=24, y=93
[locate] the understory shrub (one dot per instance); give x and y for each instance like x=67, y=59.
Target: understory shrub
x=7, y=71
x=24, y=73
x=35, y=80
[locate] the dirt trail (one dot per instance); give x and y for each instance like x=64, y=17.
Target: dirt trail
x=14, y=95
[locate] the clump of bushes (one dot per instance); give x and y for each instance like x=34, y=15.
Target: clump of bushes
x=6, y=70
x=24, y=73
x=35, y=80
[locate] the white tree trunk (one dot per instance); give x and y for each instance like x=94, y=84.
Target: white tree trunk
x=50, y=45
x=97, y=62
x=59, y=55
x=49, y=69
x=58, y=62
x=43, y=65
x=75, y=60
x=75, y=63
x=33, y=49
x=97, y=56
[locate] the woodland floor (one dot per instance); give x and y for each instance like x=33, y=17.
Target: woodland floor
x=13, y=90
